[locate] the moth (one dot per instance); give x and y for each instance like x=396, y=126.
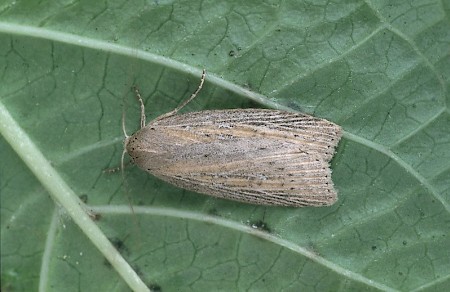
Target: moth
x=257, y=156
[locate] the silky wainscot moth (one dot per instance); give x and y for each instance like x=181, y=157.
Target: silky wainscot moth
x=257, y=156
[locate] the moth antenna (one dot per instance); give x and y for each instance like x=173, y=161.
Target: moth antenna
x=139, y=97
x=122, y=172
x=124, y=130
x=122, y=164
x=193, y=95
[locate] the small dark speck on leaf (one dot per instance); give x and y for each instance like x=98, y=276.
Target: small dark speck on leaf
x=260, y=225
x=155, y=287
x=84, y=198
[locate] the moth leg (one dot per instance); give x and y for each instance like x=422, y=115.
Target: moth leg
x=139, y=98
x=193, y=95
x=115, y=169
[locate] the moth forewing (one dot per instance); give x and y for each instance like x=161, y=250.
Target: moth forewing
x=258, y=156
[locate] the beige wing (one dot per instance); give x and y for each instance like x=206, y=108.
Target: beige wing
x=263, y=157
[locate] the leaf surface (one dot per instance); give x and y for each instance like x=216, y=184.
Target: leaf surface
x=379, y=70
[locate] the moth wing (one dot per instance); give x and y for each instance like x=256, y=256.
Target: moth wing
x=317, y=135
x=264, y=157
x=288, y=180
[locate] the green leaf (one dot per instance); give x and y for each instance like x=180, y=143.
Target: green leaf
x=379, y=70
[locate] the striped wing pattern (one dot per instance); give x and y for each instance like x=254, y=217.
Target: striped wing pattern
x=257, y=156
